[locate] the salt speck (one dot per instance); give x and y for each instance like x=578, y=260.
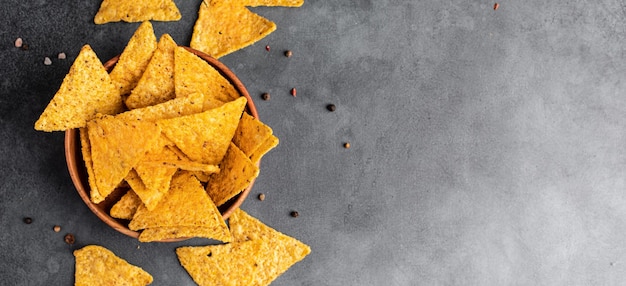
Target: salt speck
x=18, y=42
x=62, y=56
x=47, y=61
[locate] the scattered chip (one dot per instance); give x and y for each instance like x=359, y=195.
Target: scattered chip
x=86, y=90
x=126, y=207
x=96, y=265
x=226, y=26
x=250, y=134
x=137, y=11
x=194, y=74
x=284, y=3
x=228, y=264
x=186, y=204
x=268, y=145
x=204, y=137
x=156, y=85
x=134, y=59
x=116, y=146
x=279, y=251
x=237, y=173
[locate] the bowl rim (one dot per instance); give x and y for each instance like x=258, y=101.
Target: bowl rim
x=73, y=154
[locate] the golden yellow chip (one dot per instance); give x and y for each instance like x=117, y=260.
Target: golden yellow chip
x=136, y=11
x=284, y=3
x=159, y=183
x=268, y=145
x=134, y=59
x=250, y=134
x=156, y=85
x=194, y=74
x=204, y=137
x=86, y=90
x=91, y=179
x=236, y=174
x=173, y=232
x=191, y=104
x=279, y=251
x=202, y=176
x=96, y=265
x=185, y=165
x=116, y=146
x=126, y=207
x=228, y=264
x=226, y=26
x=185, y=204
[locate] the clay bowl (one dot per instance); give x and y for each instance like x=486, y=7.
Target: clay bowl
x=78, y=171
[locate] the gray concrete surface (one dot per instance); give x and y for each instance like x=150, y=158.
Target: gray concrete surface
x=487, y=146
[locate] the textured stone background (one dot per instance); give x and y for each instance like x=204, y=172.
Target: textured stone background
x=486, y=145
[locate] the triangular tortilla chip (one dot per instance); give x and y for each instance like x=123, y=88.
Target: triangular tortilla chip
x=134, y=59
x=283, y=3
x=279, y=250
x=268, y=145
x=194, y=74
x=156, y=85
x=226, y=26
x=136, y=11
x=176, y=107
x=229, y=264
x=236, y=174
x=173, y=232
x=156, y=184
x=96, y=265
x=204, y=137
x=116, y=146
x=86, y=91
x=91, y=179
x=185, y=204
x=126, y=207
x=250, y=134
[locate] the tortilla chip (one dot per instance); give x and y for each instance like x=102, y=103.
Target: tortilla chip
x=204, y=137
x=156, y=85
x=268, y=145
x=176, y=107
x=173, y=232
x=250, y=134
x=202, y=176
x=226, y=26
x=126, y=207
x=96, y=265
x=86, y=90
x=186, y=204
x=194, y=74
x=91, y=179
x=137, y=11
x=279, y=250
x=116, y=146
x=151, y=190
x=185, y=165
x=228, y=264
x=236, y=174
x=134, y=59
x=283, y=3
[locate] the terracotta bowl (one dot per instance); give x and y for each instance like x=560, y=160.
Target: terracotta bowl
x=78, y=171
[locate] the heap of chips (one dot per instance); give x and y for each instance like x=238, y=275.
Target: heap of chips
x=180, y=147
x=257, y=255
x=96, y=265
x=224, y=26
